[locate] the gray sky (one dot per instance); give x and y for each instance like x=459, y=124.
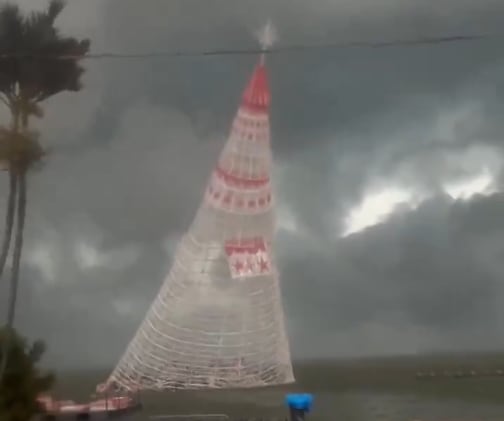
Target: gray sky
x=401, y=147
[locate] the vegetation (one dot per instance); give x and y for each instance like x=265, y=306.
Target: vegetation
x=36, y=63
x=23, y=380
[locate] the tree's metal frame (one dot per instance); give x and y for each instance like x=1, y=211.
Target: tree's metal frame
x=218, y=320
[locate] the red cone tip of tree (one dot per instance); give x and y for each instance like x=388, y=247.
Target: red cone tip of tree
x=256, y=96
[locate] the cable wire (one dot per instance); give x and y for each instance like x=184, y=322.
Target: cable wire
x=413, y=42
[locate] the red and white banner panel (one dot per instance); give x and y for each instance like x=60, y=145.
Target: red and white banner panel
x=248, y=258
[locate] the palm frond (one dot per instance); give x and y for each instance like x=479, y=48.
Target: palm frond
x=35, y=35
x=54, y=9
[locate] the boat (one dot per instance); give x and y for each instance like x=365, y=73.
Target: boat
x=98, y=409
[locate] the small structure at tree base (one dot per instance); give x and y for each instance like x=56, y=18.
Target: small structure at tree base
x=106, y=407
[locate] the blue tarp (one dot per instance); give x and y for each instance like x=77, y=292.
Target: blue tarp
x=299, y=401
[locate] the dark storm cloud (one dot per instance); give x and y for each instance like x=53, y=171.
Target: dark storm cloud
x=317, y=94
x=342, y=103
x=437, y=269
x=132, y=151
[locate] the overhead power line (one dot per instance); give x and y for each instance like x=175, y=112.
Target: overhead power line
x=414, y=42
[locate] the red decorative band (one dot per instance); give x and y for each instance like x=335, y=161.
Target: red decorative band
x=254, y=108
x=227, y=200
x=239, y=182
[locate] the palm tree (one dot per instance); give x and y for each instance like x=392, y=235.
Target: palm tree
x=36, y=63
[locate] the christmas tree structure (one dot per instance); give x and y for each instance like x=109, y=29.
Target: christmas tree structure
x=218, y=320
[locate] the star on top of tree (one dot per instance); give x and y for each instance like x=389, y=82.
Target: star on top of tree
x=267, y=36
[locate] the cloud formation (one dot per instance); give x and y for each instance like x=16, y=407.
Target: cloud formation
x=131, y=153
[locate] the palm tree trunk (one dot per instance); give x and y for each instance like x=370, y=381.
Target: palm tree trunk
x=9, y=220
x=18, y=248
x=11, y=204
x=16, y=261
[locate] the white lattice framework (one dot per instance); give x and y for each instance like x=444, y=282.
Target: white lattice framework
x=218, y=321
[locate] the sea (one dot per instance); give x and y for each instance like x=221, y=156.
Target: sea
x=392, y=389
